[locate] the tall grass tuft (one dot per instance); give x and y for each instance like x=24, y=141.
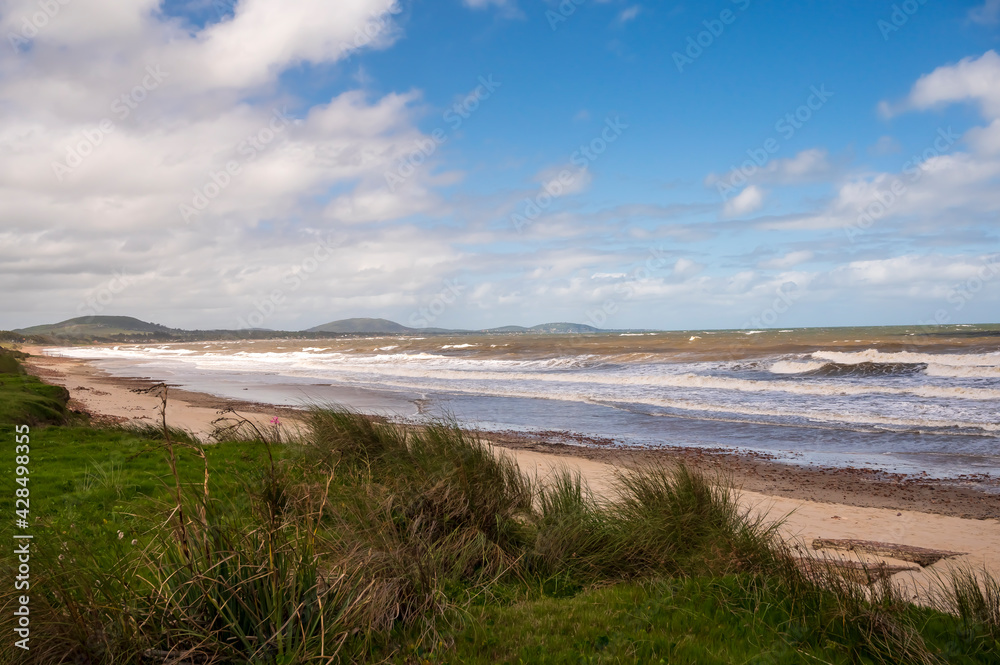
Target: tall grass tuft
x=664, y=522
x=456, y=482
x=338, y=434
x=973, y=595
x=256, y=595
x=425, y=514
x=678, y=521
x=575, y=537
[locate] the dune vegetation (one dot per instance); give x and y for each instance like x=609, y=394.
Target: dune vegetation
x=352, y=539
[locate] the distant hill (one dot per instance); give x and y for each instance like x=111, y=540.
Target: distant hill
x=127, y=328
x=550, y=328
x=385, y=326
x=562, y=328
x=362, y=326
x=97, y=326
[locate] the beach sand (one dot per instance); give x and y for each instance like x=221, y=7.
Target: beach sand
x=814, y=503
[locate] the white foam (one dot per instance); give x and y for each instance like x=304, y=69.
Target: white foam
x=795, y=367
x=444, y=368
x=702, y=387
x=833, y=417
x=876, y=356
x=963, y=372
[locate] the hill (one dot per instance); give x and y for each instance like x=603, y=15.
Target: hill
x=362, y=326
x=97, y=326
x=563, y=328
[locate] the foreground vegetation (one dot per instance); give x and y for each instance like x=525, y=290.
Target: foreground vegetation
x=359, y=541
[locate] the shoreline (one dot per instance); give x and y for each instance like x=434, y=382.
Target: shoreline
x=109, y=398
x=814, y=503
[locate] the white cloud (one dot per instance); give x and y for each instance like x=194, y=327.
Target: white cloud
x=629, y=14
x=119, y=207
x=941, y=181
x=958, y=186
x=746, y=202
x=987, y=14
x=911, y=274
x=971, y=79
x=507, y=8
x=985, y=140
x=687, y=268
x=564, y=180
x=789, y=260
x=806, y=166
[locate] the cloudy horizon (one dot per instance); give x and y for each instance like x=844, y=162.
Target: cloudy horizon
x=479, y=163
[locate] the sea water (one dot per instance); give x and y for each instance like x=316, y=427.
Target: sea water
x=910, y=400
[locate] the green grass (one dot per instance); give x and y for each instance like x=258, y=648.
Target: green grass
x=24, y=399
x=366, y=542
x=88, y=476
x=698, y=621
x=732, y=619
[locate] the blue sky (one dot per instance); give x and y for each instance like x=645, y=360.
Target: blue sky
x=375, y=196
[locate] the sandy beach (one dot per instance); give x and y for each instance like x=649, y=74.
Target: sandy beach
x=814, y=503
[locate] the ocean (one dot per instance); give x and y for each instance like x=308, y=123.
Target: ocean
x=904, y=400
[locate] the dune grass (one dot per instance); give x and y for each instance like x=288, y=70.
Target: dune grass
x=26, y=400
x=362, y=541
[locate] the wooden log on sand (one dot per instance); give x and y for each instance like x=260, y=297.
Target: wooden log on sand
x=921, y=556
x=858, y=571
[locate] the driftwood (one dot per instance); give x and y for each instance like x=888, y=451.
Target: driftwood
x=921, y=556
x=854, y=570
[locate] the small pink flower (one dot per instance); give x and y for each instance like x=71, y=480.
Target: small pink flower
x=275, y=421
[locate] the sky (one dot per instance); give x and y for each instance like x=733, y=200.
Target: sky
x=475, y=163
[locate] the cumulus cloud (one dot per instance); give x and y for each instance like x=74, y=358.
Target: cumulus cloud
x=936, y=181
x=191, y=173
x=971, y=79
x=130, y=140
x=748, y=201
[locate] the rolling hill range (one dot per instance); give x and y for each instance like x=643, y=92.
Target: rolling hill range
x=127, y=328
x=386, y=326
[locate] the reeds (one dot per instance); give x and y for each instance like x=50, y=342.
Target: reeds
x=973, y=595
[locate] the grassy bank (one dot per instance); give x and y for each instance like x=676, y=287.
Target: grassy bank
x=26, y=400
x=358, y=541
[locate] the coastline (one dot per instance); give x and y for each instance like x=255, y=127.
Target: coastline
x=815, y=503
